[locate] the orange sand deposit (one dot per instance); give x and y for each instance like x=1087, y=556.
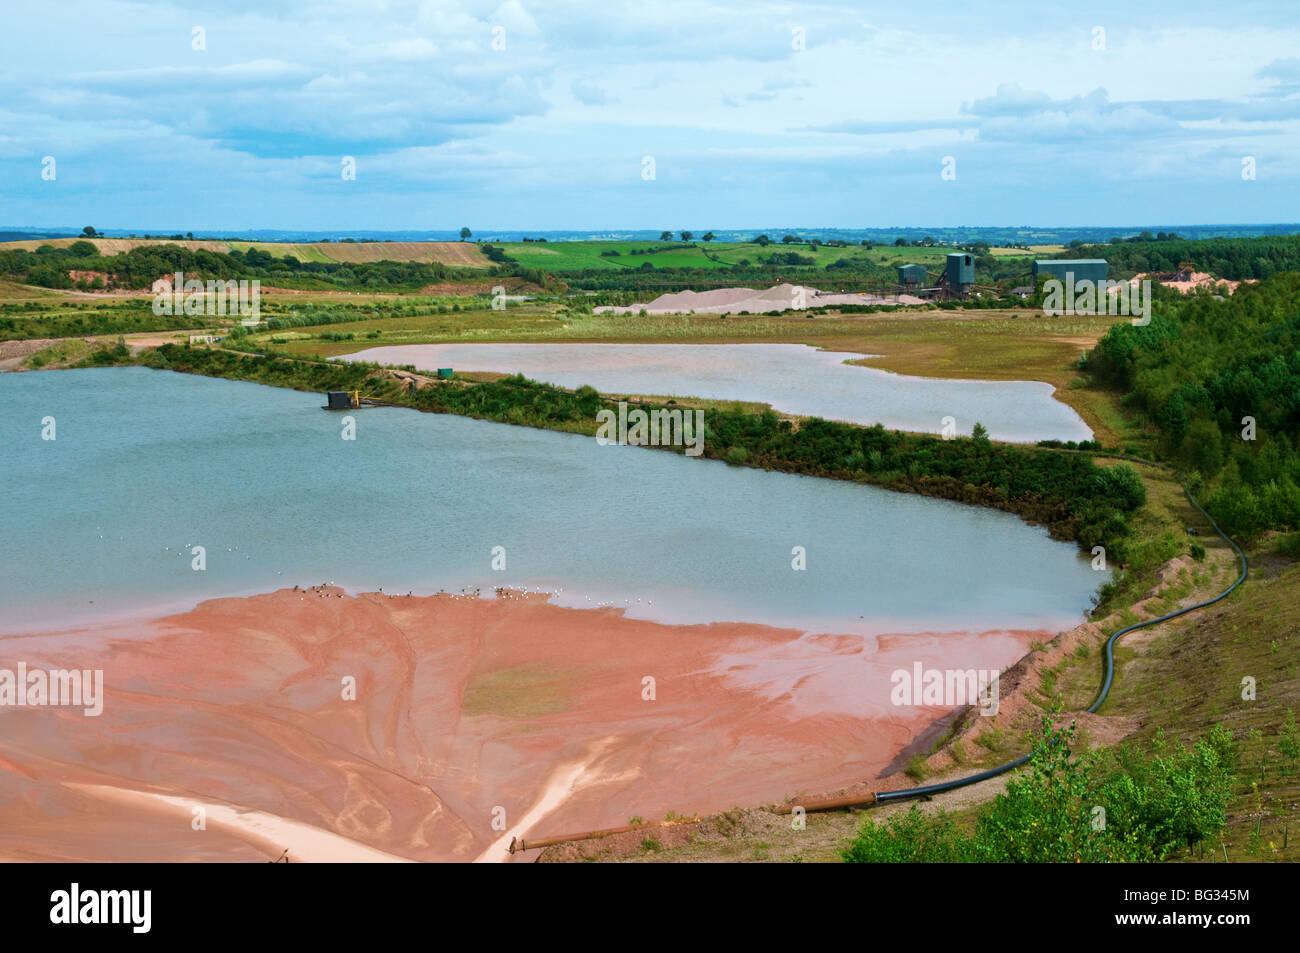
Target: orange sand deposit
x=233, y=712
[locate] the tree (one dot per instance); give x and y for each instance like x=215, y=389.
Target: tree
x=980, y=434
x=665, y=236
x=89, y=232
x=763, y=241
x=709, y=236
x=465, y=233
x=686, y=236
x=789, y=240
x=900, y=242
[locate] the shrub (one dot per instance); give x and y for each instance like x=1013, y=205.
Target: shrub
x=1156, y=800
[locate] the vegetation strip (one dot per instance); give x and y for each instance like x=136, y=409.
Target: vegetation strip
x=1066, y=493
x=930, y=789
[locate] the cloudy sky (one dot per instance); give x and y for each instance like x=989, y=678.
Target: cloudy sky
x=646, y=114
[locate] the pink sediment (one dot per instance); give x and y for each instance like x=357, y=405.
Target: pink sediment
x=467, y=711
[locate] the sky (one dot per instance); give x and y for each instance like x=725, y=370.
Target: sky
x=648, y=114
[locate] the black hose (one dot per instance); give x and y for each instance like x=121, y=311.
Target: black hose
x=929, y=789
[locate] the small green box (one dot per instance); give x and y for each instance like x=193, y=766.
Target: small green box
x=444, y=373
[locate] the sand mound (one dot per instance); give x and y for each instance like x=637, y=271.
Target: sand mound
x=1198, y=279
x=782, y=297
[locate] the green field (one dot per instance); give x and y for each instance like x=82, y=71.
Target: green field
x=560, y=257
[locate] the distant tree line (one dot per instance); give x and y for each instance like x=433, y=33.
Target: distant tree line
x=1231, y=258
x=48, y=267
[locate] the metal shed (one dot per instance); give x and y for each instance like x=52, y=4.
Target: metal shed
x=960, y=270
x=1082, y=269
x=911, y=274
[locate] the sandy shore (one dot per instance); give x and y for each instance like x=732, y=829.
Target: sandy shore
x=226, y=735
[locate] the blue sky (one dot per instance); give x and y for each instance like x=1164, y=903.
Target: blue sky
x=755, y=113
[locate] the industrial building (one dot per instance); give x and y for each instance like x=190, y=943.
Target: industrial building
x=959, y=272
x=911, y=275
x=1082, y=269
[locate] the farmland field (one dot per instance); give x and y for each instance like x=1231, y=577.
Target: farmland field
x=456, y=254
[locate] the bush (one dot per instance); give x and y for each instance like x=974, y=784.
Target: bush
x=737, y=455
x=1289, y=545
x=909, y=838
x=1156, y=800
x=1122, y=484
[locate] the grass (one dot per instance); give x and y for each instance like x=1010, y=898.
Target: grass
x=301, y=251
x=60, y=354
x=1186, y=676
x=523, y=691
x=561, y=257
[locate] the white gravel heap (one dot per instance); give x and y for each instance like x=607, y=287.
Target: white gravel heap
x=782, y=297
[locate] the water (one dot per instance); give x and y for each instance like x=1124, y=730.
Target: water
x=793, y=378
x=147, y=464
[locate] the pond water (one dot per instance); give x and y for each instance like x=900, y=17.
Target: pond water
x=145, y=465
x=793, y=378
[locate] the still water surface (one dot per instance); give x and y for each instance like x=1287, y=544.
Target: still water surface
x=147, y=464
x=793, y=378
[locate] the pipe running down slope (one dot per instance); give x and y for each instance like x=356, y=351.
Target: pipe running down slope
x=905, y=794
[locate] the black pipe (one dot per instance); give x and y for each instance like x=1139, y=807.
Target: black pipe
x=929, y=789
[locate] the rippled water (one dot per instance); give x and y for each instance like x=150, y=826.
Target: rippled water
x=793, y=378
x=147, y=464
